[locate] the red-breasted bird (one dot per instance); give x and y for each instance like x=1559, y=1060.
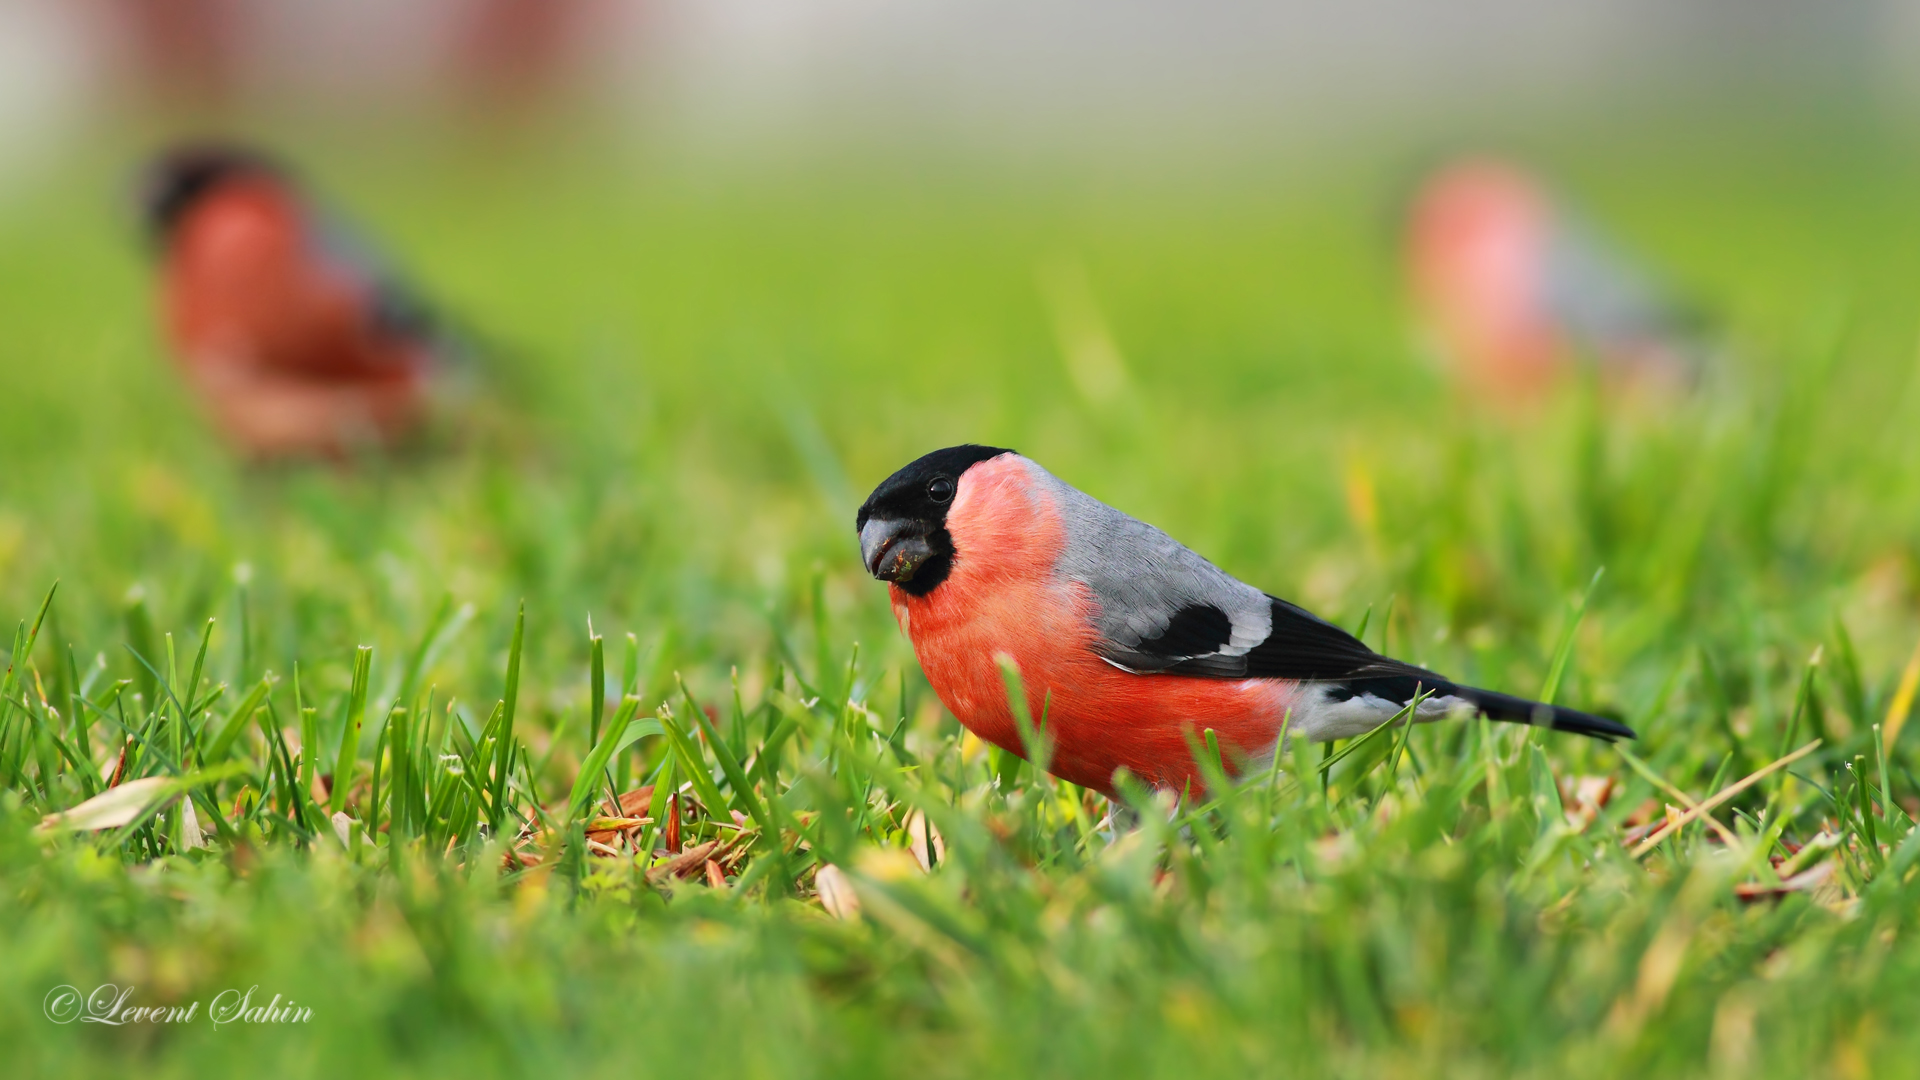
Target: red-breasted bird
x=299, y=341
x=1515, y=290
x=1129, y=644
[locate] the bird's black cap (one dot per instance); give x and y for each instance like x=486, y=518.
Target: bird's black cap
x=179, y=177
x=905, y=494
x=903, y=524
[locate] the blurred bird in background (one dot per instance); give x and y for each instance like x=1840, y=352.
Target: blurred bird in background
x=1515, y=292
x=299, y=342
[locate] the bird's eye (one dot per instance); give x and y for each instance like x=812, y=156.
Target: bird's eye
x=940, y=489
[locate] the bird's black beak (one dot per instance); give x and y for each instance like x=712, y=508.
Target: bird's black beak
x=894, y=549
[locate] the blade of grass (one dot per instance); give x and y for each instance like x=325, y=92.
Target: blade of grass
x=691, y=760
x=736, y=776
x=1886, y=784
x=1038, y=745
x=596, y=683
x=1563, y=652
x=1902, y=703
x=237, y=720
x=503, y=741
x=349, y=755
x=580, y=799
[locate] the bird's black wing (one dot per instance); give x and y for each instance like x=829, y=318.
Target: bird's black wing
x=1305, y=647
x=1301, y=645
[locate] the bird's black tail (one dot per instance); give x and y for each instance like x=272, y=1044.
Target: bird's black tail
x=1521, y=711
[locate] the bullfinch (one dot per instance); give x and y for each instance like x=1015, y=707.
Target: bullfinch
x=1515, y=291
x=1129, y=644
x=298, y=340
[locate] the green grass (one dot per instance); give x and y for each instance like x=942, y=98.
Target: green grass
x=697, y=376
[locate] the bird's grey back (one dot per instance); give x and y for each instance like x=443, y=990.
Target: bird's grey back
x=1141, y=578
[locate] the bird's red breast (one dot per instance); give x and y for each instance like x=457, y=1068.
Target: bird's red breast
x=281, y=343
x=1004, y=595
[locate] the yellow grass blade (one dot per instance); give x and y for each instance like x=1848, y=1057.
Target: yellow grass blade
x=1903, y=697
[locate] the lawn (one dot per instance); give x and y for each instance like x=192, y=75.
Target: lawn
x=639, y=541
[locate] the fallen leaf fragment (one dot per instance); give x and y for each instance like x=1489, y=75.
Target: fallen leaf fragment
x=836, y=893
x=190, y=834
x=602, y=831
x=929, y=847
x=1805, y=881
x=119, y=765
x=635, y=803
x=685, y=863
x=113, y=807
x=1584, y=797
